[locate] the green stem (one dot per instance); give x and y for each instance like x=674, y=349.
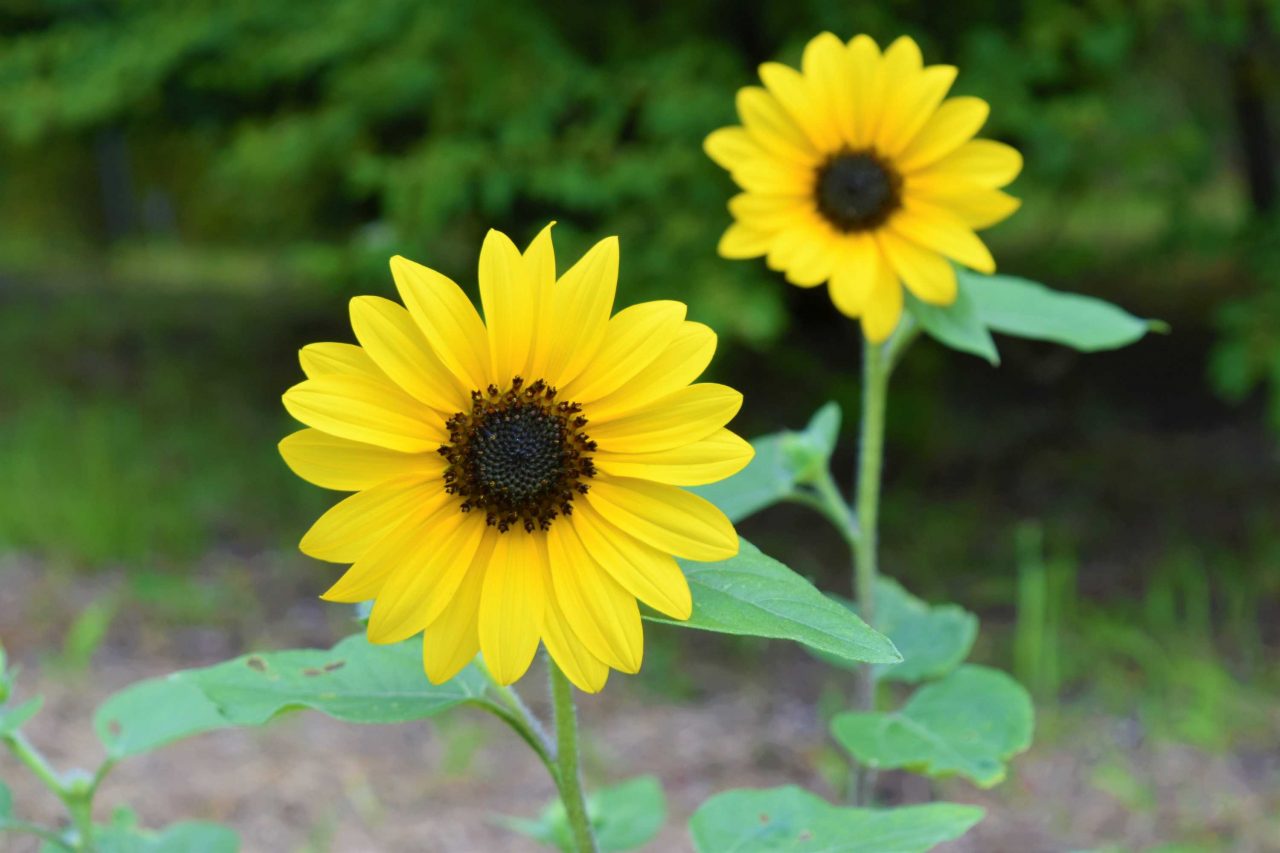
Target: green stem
x=516, y=714
x=26, y=752
x=570, y=776
x=831, y=504
x=876, y=367
x=48, y=836
x=81, y=809
x=78, y=801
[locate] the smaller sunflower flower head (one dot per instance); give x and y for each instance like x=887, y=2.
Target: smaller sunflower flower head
x=518, y=478
x=856, y=172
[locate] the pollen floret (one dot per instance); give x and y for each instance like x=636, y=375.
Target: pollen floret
x=519, y=455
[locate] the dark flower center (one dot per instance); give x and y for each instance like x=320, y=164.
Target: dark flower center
x=857, y=190
x=518, y=455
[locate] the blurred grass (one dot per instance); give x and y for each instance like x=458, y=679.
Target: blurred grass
x=141, y=428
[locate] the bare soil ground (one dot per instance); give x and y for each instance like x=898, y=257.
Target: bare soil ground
x=306, y=783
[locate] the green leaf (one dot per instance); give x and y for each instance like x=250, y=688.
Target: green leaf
x=933, y=640
x=1025, y=309
x=12, y=719
x=782, y=820
x=957, y=325
x=188, y=837
x=355, y=681
x=968, y=723
x=624, y=816
x=754, y=595
x=782, y=460
x=149, y=714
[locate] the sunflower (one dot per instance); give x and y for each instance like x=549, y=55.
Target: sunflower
x=517, y=479
x=856, y=172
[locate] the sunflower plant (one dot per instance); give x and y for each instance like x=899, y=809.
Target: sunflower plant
x=548, y=474
x=519, y=481
x=858, y=171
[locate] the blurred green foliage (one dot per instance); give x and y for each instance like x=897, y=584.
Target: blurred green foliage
x=332, y=134
x=186, y=190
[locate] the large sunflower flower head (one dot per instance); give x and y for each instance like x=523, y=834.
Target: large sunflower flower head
x=856, y=172
x=517, y=478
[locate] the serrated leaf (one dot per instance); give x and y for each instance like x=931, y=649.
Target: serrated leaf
x=1026, y=309
x=969, y=724
x=15, y=717
x=624, y=817
x=754, y=595
x=957, y=325
x=354, y=681
x=933, y=640
x=782, y=461
x=791, y=820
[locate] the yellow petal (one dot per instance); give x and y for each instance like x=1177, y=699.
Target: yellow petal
x=395, y=343
x=540, y=269
x=381, y=561
x=730, y=147
x=452, y=641
x=508, y=299
x=954, y=123
x=770, y=213
x=742, y=241
x=719, y=455
x=883, y=310
x=943, y=232
x=911, y=106
x=587, y=672
x=984, y=162
x=774, y=130
x=753, y=167
x=355, y=524
x=582, y=301
x=668, y=518
x=632, y=341
x=830, y=74
x=797, y=248
x=900, y=64
x=926, y=273
x=602, y=614
x=447, y=318
x=806, y=253
x=977, y=207
x=864, y=63
x=855, y=277
x=803, y=104
x=511, y=604
x=429, y=569
x=650, y=575
x=326, y=358
x=349, y=466
x=366, y=410
x=680, y=363
x=684, y=416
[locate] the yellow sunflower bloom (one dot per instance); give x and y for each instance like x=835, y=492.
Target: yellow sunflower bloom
x=517, y=479
x=858, y=173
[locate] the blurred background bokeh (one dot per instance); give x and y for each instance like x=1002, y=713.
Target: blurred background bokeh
x=191, y=191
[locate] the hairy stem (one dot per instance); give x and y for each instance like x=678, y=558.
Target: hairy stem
x=875, y=387
x=570, y=775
